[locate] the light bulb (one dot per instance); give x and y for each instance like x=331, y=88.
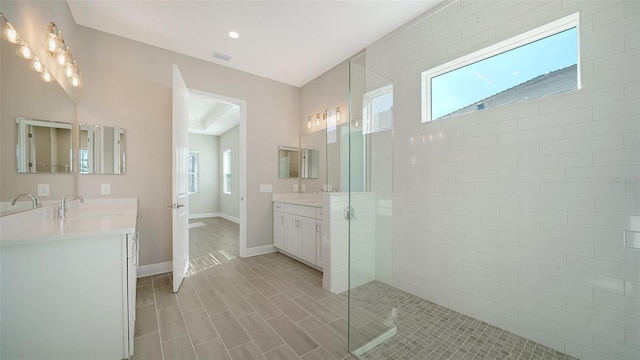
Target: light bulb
x=36, y=65
x=52, y=42
x=76, y=81
x=46, y=76
x=11, y=34
x=61, y=57
x=338, y=116
x=318, y=120
x=25, y=52
x=69, y=70
x=309, y=122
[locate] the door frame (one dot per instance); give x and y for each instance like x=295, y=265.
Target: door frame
x=242, y=166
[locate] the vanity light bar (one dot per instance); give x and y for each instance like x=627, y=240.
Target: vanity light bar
x=323, y=116
x=60, y=53
x=23, y=50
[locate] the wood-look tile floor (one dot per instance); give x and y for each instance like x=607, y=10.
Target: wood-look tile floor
x=268, y=307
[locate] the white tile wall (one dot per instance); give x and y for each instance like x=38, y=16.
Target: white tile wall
x=526, y=216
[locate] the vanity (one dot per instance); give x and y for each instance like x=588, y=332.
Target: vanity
x=297, y=227
x=69, y=284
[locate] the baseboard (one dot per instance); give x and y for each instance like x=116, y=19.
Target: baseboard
x=230, y=218
x=258, y=250
x=155, y=269
x=217, y=214
x=203, y=215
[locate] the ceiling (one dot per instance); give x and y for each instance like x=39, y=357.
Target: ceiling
x=287, y=41
x=211, y=116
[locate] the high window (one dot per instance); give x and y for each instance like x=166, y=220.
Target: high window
x=540, y=62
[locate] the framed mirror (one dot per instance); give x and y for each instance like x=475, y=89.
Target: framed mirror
x=101, y=150
x=288, y=162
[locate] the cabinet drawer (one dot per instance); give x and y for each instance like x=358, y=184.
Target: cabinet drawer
x=278, y=207
x=299, y=210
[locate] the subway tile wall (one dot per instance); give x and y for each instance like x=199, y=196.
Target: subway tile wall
x=526, y=216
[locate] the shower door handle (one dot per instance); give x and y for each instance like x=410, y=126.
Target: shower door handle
x=349, y=213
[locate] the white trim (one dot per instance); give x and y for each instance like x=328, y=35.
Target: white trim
x=530, y=36
x=216, y=214
x=203, y=215
x=259, y=250
x=154, y=269
x=229, y=217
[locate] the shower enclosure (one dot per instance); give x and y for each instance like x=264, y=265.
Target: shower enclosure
x=361, y=140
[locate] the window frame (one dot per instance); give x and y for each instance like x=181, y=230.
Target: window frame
x=552, y=28
x=195, y=174
x=226, y=170
x=368, y=98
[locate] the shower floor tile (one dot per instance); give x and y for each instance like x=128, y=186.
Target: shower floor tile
x=429, y=331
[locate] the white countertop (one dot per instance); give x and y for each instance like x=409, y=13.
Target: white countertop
x=304, y=199
x=96, y=217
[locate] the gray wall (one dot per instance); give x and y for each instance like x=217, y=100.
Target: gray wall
x=230, y=203
x=128, y=84
x=207, y=200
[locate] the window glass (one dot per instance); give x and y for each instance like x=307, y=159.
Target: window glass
x=226, y=172
x=538, y=63
x=192, y=171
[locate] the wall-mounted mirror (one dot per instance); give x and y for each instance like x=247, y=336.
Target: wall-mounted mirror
x=101, y=150
x=288, y=162
x=309, y=163
x=25, y=94
x=43, y=146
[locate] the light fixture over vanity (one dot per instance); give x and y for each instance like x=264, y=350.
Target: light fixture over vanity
x=23, y=50
x=61, y=54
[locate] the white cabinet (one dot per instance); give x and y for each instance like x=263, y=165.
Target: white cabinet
x=72, y=298
x=297, y=231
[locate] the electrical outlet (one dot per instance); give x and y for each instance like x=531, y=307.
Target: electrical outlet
x=295, y=187
x=303, y=187
x=43, y=189
x=105, y=189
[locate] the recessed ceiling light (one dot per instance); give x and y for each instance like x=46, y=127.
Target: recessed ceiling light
x=233, y=35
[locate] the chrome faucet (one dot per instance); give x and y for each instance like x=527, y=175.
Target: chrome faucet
x=62, y=209
x=34, y=200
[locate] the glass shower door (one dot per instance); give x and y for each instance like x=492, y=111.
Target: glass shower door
x=366, y=138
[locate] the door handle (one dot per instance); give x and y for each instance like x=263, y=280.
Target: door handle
x=176, y=206
x=349, y=213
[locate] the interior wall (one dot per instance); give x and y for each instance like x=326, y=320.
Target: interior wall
x=525, y=216
x=207, y=201
x=329, y=90
x=230, y=203
x=128, y=84
x=25, y=94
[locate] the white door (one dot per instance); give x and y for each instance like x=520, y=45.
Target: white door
x=180, y=195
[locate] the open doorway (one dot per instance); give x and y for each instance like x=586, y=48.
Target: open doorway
x=214, y=170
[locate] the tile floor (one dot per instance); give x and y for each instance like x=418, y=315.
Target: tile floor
x=265, y=307
x=430, y=331
x=271, y=307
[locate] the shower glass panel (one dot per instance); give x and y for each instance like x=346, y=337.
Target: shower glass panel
x=366, y=156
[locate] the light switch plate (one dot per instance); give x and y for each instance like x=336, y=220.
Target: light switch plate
x=266, y=188
x=295, y=187
x=303, y=187
x=105, y=189
x=43, y=189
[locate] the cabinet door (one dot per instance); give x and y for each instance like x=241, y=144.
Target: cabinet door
x=308, y=235
x=278, y=229
x=292, y=237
